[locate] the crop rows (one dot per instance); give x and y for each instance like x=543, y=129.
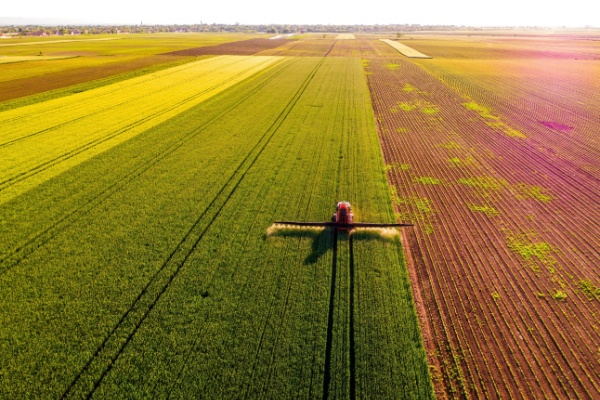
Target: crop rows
x=70, y=130
x=563, y=114
x=145, y=270
x=497, y=249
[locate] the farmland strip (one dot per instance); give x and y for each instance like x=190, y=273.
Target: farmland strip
x=16, y=59
x=244, y=47
x=54, y=41
x=352, y=345
x=404, y=49
x=24, y=170
x=330, y=319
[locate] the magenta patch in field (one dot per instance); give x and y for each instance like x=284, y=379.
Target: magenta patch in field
x=556, y=126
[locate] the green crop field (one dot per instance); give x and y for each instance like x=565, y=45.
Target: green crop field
x=137, y=254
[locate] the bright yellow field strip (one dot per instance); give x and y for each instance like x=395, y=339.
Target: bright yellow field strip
x=345, y=36
x=404, y=49
x=13, y=59
x=40, y=141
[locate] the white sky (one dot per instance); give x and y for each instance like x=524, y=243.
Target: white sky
x=575, y=13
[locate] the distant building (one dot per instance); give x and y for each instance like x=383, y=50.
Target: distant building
x=38, y=33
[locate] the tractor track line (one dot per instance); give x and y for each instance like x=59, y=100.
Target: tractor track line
x=352, y=345
x=23, y=250
x=269, y=133
x=306, y=212
x=330, y=319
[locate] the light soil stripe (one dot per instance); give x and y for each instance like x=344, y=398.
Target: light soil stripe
x=41, y=141
x=404, y=49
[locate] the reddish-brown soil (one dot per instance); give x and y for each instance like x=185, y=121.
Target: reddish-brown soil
x=362, y=48
x=302, y=48
x=507, y=212
x=27, y=86
x=242, y=48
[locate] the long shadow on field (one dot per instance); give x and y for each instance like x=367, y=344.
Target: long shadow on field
x=322, y=239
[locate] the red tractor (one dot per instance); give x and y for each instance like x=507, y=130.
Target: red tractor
x=343, y=216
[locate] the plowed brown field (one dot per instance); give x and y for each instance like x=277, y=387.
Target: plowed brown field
x=241, y=48
x=302, y=48
x=495, y=154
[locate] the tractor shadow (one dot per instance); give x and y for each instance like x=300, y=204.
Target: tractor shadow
x=324, y=240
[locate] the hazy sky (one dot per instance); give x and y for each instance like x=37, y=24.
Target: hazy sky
x=452, y=12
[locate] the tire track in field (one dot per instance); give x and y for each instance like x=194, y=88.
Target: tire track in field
x=90, y=377
x=11, y=259
x=13, y=180
x=351, y=319
x=330, y=319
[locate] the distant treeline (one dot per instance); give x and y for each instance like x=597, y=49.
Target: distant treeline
x=38, y=30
